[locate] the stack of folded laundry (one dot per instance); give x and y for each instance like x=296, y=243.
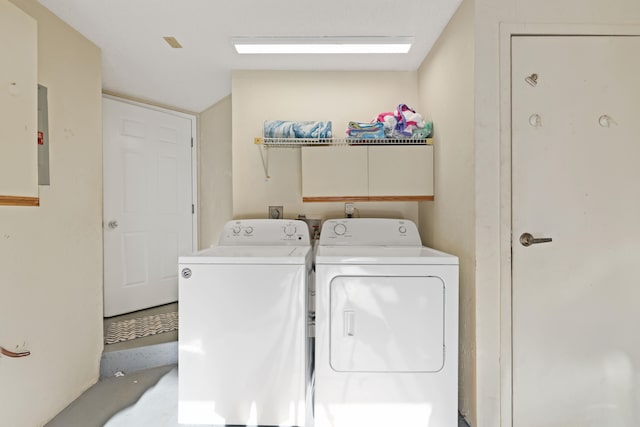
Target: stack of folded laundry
x=290, y=129
x=365, y=130
x=404, y=122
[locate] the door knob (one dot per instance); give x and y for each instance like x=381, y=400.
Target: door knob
x=526, y=239
x=112, y=224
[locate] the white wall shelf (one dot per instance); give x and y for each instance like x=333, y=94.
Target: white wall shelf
x=307, y=142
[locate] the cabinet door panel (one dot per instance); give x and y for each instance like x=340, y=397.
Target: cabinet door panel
x=401, y=171
x=334, y=171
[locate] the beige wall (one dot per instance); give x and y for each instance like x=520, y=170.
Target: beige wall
x=305, y=95
x=51, y=256
x=215, y=205
x=491, y=104
x=18, y=102
x=445, y=83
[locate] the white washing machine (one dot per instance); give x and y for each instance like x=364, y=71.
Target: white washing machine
x=243, y=348
x=386, y=327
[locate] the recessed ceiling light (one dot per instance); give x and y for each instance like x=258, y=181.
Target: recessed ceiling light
x=321, y=45
x=171, y=41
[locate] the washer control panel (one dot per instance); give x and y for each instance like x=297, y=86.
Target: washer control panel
x=265, y=232
x=369, y=232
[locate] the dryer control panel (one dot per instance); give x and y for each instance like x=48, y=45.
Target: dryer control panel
x=272, y=232
x=369, y=232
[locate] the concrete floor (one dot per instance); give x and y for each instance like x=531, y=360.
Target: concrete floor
x=108, y=397
x=138, y=360
x=114, y=394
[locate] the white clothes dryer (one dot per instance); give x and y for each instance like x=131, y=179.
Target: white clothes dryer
x=386, y=327
x=243, y=348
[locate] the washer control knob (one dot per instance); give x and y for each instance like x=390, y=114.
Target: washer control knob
x=402, y=229
x=236, y=230
x=340, y=229
x=290, y=230
x=248, y=230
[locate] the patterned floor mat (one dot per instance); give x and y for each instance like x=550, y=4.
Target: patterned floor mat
x=125, y=330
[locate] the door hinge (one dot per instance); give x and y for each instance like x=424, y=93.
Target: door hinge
x=193, y=209
x=191, y=142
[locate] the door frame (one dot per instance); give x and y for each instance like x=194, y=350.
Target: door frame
x=194, y=160
x=507, y=32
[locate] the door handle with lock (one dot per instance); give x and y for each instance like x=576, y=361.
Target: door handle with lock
x=526, y=239
x=112, y=224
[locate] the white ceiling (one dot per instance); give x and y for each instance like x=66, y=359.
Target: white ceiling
x=137, y=62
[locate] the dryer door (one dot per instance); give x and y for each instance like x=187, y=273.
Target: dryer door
x=387, y=324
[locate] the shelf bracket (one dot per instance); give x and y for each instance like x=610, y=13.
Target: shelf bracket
x=264, y=156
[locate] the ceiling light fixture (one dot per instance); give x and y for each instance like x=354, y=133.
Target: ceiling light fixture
x=321, y=45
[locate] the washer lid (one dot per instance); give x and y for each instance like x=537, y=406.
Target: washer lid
x=397, y=255
x=250, y=255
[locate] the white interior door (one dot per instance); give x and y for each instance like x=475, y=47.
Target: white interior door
x=575, y=175
x=148, y=216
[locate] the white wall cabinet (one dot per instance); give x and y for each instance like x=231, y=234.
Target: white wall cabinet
x=339, y=171
x=367, y=173
x=18, y=107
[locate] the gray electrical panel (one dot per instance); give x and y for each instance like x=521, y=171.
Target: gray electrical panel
x=43, y=136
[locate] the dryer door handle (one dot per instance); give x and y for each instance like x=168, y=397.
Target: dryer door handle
x=349, y=323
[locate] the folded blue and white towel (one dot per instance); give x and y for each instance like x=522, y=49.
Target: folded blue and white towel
x=362, y=130
x=287, y=129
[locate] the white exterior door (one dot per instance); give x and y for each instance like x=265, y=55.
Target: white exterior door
x=575, y=179
x=148, y=219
